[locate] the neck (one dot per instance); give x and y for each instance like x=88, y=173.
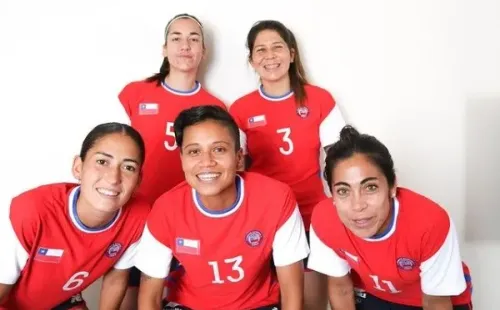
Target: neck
x=223, y=200
x=183, y=81
x=277, y=88
x=92, y=218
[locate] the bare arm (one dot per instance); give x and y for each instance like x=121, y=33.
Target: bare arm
x=114, y=286
x=4, y=291
x=150, y=293
x=341, y=293
x=291, y=280
x=436, y=302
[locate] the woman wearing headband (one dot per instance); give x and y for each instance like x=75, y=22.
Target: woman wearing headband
x=153, y=104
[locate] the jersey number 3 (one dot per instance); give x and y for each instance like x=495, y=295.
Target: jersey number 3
x=286, y=138
x=237, y=270
x=75, y=281
x=170, y=132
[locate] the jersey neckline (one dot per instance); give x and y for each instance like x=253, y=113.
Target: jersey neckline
x=189, y=92
x=389, y=231
x=240, y=193
x=274, y=98
x=73, y=198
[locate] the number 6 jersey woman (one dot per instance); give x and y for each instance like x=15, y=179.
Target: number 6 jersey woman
x=62, y=237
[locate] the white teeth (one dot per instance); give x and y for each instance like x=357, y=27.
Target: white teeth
x=271, y=67
x=208, y=176
x=107, y=192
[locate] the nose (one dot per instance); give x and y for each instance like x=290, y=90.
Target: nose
x=113, y=175
x=206, y=159
x=185, y=46
x=358, y=203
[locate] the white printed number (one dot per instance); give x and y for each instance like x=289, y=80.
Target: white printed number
x=387, y=285
x=170, y=132
x=286, y=138
x=236, y=262
x=75, y=281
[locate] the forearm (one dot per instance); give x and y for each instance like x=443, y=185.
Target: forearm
x=437, y=303
x=291, y=280
x=150, y=293
x=114, y=286
x=341, y=293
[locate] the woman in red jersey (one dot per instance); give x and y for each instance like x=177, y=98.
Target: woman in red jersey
x=285, y=124
x=398, y=249
x=152, y=106
x=62, y=237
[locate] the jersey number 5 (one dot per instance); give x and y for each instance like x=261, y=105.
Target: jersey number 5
x=236, y=262
x=286, y=138
x=75, y=281
x=170, y=132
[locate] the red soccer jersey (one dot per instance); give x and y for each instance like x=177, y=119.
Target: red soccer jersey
x=419, y=252
x=49, y=255
x=152, y=111
x=226, y=254
x=284, y=142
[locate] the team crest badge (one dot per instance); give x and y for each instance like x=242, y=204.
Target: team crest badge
x=303, y=112
x=405, y=263
x=113, y=249
x=254, y=238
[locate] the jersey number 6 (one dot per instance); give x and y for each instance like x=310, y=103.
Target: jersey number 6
x=75, y=281
x=236, y=262
x=286, y=138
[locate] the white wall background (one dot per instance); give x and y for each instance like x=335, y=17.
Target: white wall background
x=405, y=71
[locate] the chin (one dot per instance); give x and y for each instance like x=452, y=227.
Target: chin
x=363, y=233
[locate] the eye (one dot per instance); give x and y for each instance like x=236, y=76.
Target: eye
x=219, y=149
x=101, y=161
x=371, y=187
x=195, y=39
x=130, y=168
x=342, y=192
x=193, y=152
x=175, y=39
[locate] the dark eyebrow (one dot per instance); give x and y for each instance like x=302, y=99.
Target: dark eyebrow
x=362, y=182
x=111, y=156
x=193, y=33
x=215, y=142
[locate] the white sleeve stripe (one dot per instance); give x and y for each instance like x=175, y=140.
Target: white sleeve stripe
x=324, y=259
x=243, y=141
x=126, y=261
x=290, y=242
x=329, y=130
x=13, y=257
x=443, y=274
x=153, y=258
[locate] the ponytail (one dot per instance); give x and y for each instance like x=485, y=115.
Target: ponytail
x=160, y=76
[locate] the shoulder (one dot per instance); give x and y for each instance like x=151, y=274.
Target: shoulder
x=138, y=206
x=137, y=87
x=423, y=211
x=325, y=220
x=42, y=198
x=211, y=98
x=315, y=91
x=173, y=197
x=241, y=103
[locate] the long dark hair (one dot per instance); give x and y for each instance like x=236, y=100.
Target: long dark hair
x=165, y=65
x=296, y=71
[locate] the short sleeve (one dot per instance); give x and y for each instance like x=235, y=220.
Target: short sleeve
x=18, y=237
x=441, y=270
x=332, y=121
x=324, y=260
x=323, y=232
x=128, y=97
x=154, y=253
x=127, y=260
x=290, y=243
